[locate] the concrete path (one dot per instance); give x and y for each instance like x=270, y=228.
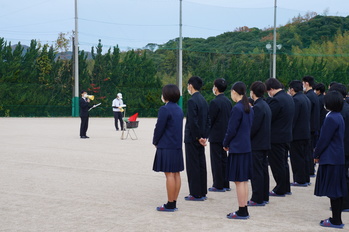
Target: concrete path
x=51, y=180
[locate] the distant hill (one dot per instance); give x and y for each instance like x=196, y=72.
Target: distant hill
x=300, y=32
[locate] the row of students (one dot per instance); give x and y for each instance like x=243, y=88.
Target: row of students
x=246, y=139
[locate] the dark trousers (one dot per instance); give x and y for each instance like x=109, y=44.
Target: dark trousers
x=260, y=177
x=346, y=198
x=118, y=117
x=83, y=125
x=311, y=164
x=278, y=160
x=299, y=161
x=196, y=169
x=219, y=165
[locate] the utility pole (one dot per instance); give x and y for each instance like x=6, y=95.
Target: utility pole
x=75, y=101
x=274, y=43
x=180, y=62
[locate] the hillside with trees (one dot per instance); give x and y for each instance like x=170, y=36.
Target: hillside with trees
x=39, y=81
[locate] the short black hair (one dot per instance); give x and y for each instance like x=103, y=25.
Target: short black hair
x=333, y=101
x=83, y=91
x=171, y=93
x=332, y=83
x=273, y=83
x=296, y=85
x=196, y=82
x=220, y=84
x=340, y=88
x=258, y=88
x=320, y=87
x=310, y=80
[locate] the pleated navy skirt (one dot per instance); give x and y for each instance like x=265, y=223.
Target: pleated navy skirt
x=168, y=160
x=331, y=181
x=239, y=167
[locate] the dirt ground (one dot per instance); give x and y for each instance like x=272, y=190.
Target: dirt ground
x=51, y=180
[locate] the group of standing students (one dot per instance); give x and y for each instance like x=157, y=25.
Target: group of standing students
x=268, y=132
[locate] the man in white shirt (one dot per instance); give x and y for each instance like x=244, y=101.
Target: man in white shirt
x=118, y=111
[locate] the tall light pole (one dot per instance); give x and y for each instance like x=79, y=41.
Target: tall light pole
x=274, y=43
x=75, y=102
x=180, y=62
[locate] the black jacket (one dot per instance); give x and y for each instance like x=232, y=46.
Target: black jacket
x=219, y=112
x=315, y=111
x=345, y=114
x=197, y=121
x=301, y=119
x=84, y=107
x=261, y=126
x=282, y=110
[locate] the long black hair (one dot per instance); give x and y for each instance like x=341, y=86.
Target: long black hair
x=240, y=88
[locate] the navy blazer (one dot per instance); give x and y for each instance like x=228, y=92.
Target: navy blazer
x=238, y=135
x=84, y=107
x=330, y=146
x=261, y=126
x=282, y=110
x=197, y=123
x=219, y=112
x=315, y=111
x=301, y=118
x=168, y=132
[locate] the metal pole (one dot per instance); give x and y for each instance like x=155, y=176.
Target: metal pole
x=180, y=62
x=75, y=101
x=274, y=43
x=270, y=64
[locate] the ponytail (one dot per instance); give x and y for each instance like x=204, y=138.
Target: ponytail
x=246, y=104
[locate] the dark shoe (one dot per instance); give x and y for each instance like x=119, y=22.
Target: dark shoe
x=214, y=189
x=296, y=184
x=164, y=209
x=273, y=194
x=252, y=203
x=87, y=137
x=266, y=202
x=289, y=193
x=117, y=129
x=227, y=189
x=192, y=198
x=327, y=223
x=83, y=137
x=235, y=216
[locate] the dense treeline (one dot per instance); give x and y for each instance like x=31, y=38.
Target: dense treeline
x=36, y=82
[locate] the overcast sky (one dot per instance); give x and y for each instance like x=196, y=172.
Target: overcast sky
x=135, y=23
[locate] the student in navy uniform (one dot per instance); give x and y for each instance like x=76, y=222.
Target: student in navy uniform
x=329, y=153
x=345, y=114
x=84, y=104
x=301, y=135
x=219, y=111
x=282, y=109
x=195, y=138
x=237, y=141
x=319, y=89
x=260, y=142
x=168, y=139
x=308, y=84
